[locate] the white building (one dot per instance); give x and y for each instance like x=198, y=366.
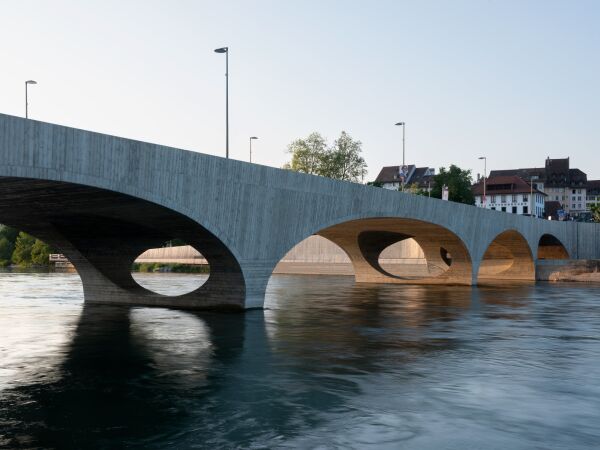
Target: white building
x=510, y=194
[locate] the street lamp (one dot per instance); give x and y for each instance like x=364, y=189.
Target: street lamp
x=27, y=83
x=403, y=125
x=251, y=139
x=226, y=51
x=531, y=196
x=403, y=153
x=484, y=179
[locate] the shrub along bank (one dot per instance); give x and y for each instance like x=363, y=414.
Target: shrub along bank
x=21, y=249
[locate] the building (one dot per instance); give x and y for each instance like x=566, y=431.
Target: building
x=511, y=194
x=558, y=181
x=592, y=193
x=391, y=177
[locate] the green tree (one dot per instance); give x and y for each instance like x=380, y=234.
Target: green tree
x=40, y=253
x=6, y=250
x=414, y=189
x=9, y=233
x=595, y=212
x=22, y=253
x=308, y=154
x=341, y=161
x=459, y=184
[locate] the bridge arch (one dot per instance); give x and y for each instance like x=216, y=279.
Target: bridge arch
x=550, y=247
x=507, y=257
x=364, y=240
x=102, y=232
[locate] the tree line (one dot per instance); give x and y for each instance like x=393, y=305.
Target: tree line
x=21, y=249
x=342, y=160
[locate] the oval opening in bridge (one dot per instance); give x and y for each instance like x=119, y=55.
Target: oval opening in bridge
x=404, y=259
x=173, y=269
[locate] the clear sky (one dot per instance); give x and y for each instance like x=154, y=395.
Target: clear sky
x=516, y=81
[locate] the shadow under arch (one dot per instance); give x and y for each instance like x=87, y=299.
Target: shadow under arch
x=102, y=232
x=550, y=247
x=363, y=241
x=509, y=258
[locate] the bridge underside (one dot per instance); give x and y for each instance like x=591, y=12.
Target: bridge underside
x=102, y=232
x=448, y=260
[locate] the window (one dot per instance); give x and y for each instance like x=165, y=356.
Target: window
x=514, y=209
x=574, y=191
x=504, y=209
x=514, y=198
x=579, y=198
x=525, y=198
x=525, y=210
x=493, y=199
x=503, y=198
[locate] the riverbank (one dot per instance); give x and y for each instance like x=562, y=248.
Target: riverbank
x=170, y=268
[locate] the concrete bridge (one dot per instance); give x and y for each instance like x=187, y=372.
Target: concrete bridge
x=103, y=200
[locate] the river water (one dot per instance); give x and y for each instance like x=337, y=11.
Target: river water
x=329, y=364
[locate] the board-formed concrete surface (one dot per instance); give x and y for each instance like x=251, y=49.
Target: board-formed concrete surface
x=103, y=200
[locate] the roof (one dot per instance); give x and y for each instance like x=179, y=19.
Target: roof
x=526, y=174
x=552, y=207
x=593, y=187
x=389, y=174
x=420, y=176
x=555, y=174
x=506, y=184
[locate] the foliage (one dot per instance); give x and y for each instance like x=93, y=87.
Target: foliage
x=459, y=184
x=341, y=161
x=22, y=249
x=167, y=267
x=6, y=250
x=595, y=209
x=22, y=254
x=308, y=154
x=375, y=183
x=414, y=189
x=40, y=253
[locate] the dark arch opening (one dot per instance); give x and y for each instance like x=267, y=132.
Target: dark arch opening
x=446, y=256
x=102, y=232
x=551, y=248
x=509, y=258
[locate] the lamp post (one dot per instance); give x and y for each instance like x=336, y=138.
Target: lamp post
x=484, y=179
x=251, y=139
x=27, y=83
x=226, y=51
x=403, y=125
x=531, y=195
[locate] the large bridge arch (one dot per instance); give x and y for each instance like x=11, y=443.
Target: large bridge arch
x=508, y=257
x=364, y=239
x=550, y=247
x=102, y=232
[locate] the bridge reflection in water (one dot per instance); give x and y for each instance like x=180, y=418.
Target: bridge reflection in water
x=329, y=362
